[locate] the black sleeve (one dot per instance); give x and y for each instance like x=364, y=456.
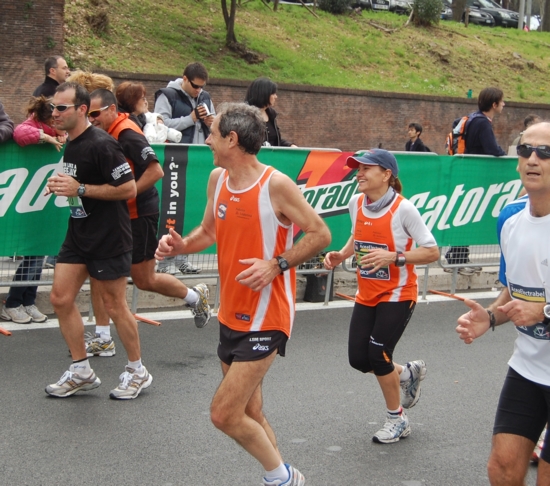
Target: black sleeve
x=419, y=146
x=112, y=163
x=488, y=140
x=136, y=148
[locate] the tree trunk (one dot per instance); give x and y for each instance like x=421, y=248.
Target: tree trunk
x=458, y=9
x=229, y=18
x=545, y=27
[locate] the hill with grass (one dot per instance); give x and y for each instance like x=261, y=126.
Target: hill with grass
x=363, y=50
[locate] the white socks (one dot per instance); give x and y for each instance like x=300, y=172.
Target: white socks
x=280, y=473
x=405, y=374
x=135, y=365
x=104, y=332
x=82, y=368
x=191, y=298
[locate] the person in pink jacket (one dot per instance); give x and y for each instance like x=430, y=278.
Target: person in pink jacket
x=20, y=306
x=37, y=128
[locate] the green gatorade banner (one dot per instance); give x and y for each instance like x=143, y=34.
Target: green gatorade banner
x=459, y=197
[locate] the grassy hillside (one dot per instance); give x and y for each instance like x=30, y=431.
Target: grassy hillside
x=161, y=36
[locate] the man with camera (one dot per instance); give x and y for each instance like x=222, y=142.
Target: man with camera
x=186, y=106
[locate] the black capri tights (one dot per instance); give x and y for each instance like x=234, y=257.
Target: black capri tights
x=373, y=334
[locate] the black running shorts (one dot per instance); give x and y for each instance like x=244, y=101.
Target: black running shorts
x=524, y=409
x=249, y=346
x=105, y=269
x=144, y=235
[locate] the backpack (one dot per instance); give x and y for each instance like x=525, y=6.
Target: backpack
x=455, y=143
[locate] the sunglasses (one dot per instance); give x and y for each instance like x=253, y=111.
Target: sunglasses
x=96, y=113
x=196, y=86
x=60, y=108
x=525, y=150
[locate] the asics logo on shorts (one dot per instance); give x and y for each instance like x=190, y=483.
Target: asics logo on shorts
x=260, y=347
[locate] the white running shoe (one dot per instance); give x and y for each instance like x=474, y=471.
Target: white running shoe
x=411, y=387
x=395, y=428
x=201, y=309
x=35, y=314
x=95, y=346
x=71, y=382
x=296, y=478
x=15, y=314
x=131, y=384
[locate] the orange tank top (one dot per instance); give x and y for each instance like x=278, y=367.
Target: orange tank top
x=388, y=284
x=247, y=227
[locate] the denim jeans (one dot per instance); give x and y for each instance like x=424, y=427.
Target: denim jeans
x=29, y=269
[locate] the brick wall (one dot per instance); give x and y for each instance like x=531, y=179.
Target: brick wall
x=32, y=30
x=351, y=119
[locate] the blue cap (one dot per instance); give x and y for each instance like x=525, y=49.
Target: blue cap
x=379, y=157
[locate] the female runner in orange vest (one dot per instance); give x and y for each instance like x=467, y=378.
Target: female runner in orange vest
x=385, y=224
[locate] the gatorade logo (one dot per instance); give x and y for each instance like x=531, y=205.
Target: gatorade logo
x=326, y=182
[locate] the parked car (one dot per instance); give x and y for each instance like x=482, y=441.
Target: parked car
x=397, y=6
x=476, y=16
x=503, y=17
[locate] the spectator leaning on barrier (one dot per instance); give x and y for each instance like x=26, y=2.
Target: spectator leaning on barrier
x=524, y=405
x=6, y=125
x=144, y=213
x=186, y=106
x=480, y=140
x=57, y=72
x=20, y=306
x=415, y=144
x=480, y=137
x=262, y=93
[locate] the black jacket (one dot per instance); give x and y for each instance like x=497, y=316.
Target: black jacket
x=47, y=88
x=480, y=138
x=272, y=132
x=417, y=146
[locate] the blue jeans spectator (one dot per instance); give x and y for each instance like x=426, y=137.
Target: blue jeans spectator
x=29, y=269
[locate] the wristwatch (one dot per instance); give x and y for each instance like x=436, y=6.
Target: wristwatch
x=546, y=311
x=283, y=264
x=400, y=259
x=81, y=190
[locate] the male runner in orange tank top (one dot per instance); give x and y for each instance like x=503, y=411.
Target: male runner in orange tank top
x=250, y=212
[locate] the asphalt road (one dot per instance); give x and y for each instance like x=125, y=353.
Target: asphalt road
x=323, y=412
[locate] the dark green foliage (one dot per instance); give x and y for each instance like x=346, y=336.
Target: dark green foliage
x=427, y=12
x=334, y=6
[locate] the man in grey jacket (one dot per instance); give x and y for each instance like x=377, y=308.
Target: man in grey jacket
x=6, y=125
x=186, y=106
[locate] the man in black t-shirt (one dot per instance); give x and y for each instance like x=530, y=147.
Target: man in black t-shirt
x=144, y=214
x=97, y=181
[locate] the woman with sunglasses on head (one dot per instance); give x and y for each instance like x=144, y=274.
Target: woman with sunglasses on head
x=20, y=306
x=262, y=93
x=384, y=227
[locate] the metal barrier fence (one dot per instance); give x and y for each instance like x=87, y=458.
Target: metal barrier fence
x=38, y=270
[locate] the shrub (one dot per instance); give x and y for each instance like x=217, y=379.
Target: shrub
x=334, y=6
x=427, y=12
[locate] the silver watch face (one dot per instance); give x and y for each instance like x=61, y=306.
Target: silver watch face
x=546, y=311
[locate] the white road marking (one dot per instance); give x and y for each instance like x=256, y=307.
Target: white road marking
x=168, y=315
